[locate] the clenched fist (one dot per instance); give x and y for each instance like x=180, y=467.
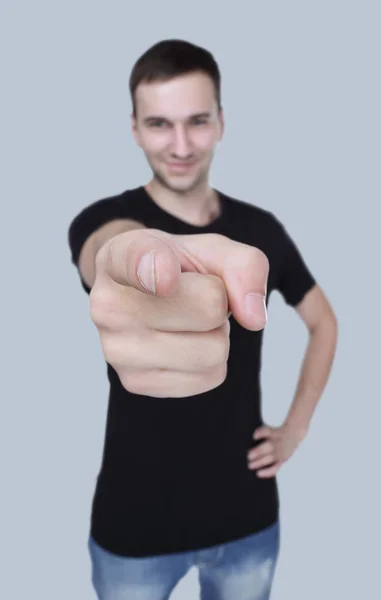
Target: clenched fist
x=161, y=304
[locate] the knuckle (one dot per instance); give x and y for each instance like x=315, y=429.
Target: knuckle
x=103, y=255
x=217, y=375
x=112, y=309
x=259, y=255
x=143, y=383
x=260, y=259
x=254, y=258
x=217, y=238
x=106, y=254
x=211, y=239
x=207, y=351
x=112, y=349
x=101, y=300
x=216, y=302
x=134, y=350
x=219, y=348
x=130, y=381
x=123, y=351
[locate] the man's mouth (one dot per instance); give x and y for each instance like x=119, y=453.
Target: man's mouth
x=180, y=166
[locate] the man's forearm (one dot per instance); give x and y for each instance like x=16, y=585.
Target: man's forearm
x=315, y=371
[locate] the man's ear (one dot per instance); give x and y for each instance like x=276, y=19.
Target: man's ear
x=134, y=129
x=222, y=122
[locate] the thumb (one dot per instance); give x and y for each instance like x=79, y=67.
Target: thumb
x=143, y=259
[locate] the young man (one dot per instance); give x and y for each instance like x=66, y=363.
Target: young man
x=179, y=276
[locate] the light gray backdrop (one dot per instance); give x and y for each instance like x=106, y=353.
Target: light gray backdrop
x=301, y=91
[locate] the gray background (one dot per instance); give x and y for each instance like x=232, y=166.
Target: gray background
x=301, y=92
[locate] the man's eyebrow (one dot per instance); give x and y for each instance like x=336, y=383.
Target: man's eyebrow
x=202, y=115
x=154, y=118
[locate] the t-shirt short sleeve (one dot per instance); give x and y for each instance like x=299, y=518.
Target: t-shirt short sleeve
x=93, y=216
x=90, y=219
x=295, y=278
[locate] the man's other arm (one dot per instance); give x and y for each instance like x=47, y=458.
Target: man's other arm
x=320, y=319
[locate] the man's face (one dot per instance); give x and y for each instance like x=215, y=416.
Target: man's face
x=178, y=125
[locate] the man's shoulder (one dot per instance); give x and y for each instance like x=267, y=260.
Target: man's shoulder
x=256, y=214
x=112, y=205
x=113, y=200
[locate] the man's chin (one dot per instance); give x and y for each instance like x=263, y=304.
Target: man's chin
x=180, y=185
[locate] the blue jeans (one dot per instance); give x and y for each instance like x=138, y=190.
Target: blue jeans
x=239, y=570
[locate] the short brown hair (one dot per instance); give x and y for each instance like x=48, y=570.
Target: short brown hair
x=171, y=58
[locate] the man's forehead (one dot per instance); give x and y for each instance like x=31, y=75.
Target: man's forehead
x=177, y=98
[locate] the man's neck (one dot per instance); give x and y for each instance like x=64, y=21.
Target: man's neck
x=200, y=207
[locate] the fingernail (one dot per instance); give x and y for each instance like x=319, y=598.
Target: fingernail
x=255, y=304
x=146, y=271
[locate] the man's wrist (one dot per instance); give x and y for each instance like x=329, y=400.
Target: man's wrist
x=299, y=429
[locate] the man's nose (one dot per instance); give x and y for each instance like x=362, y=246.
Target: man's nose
x=181, y=146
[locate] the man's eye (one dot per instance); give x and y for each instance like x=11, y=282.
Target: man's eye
x=200, y=122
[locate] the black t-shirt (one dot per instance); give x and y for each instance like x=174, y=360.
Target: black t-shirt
x=174, y=473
